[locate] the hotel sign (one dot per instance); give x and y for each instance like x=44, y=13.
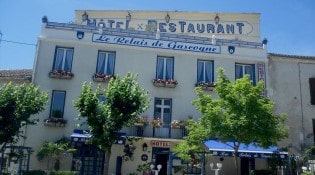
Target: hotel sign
x=160, y=144
x=181, y=26
x=154, y=43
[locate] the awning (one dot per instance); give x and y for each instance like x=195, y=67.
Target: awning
x=218, y=148
x=80, y=135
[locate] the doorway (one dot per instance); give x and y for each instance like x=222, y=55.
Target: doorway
x=160, y=157
x=247, y=164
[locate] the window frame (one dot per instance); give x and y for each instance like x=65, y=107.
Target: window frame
x=106, y=63
x=64, y=58
x=161, y=116
x=252, y=76
x=312, y=91
x=165, y=68
x=52, y=108
x=204, y=71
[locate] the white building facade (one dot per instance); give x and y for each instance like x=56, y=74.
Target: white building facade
x=171, y=52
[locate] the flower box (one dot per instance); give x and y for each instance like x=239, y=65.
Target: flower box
x=156, y=123
x=165, y=83
x=55, y=122
x=139, y=121
x=101, y=77
x=208, y=86
x=60, y=74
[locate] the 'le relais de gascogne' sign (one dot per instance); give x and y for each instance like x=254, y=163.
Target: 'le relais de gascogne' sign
x=151, y=43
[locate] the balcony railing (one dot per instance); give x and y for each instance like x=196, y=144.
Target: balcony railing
x=161, y=132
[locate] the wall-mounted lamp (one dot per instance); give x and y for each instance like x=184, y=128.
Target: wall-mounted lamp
x=157, y=34
x=213, y=40
x=144, y=147
x=44, y=20
x=167, y=18
x=128, y=17
x=100, y=28
x=85, y=16
x=264, y=42
x=216, y=19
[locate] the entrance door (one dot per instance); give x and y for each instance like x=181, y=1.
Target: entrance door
x=162, y=159
x=247, y=164
x=88, y=160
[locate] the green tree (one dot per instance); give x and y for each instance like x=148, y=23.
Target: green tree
x=54, y=151
x=17, y=104
x=124, y=100
x=240, y=114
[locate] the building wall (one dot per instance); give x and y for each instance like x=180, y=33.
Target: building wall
x=289, y=88
x=141, y=60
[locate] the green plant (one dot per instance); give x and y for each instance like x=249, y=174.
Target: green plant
x=63, y=173
x=143, y=167
x=53, y=151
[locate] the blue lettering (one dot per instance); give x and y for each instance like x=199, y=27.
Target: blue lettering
x=210, y=28
x=118, y=24
x=182, y=24
x=172, y=27
x=190, y=28
x=111, y=22
x=161, y=27
x=220, y=29
x=230, y=28
x=202, y=29
x=102, y=38
x=240, y=29
x=120, y=40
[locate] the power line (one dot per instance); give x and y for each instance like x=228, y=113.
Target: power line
x=17, y=42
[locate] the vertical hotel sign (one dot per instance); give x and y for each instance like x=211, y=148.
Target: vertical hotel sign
x=262, y=75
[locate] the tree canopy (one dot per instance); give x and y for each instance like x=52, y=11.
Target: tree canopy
x=124, y=99
x=17, y=104
x=240, y=114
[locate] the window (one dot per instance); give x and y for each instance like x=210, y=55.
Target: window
x=105, y=63
x=163, y=110
x=57, y=104
x=205, y=71
x=242, y=69
x=312, y=90
x=63, y=59
x=164, y=68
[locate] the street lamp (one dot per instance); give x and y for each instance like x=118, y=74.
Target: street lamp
x=156, y=171
x=216, y=170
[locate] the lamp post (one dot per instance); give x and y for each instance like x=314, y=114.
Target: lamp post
x=156, y=171
x=216, y=170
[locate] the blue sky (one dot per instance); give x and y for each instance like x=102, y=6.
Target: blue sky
x=289, y=25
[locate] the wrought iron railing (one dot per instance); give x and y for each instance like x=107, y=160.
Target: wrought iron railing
x=160, y=132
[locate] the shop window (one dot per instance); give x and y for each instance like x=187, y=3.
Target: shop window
x=57, y=104
x=205, y=71
x=242, y=69
x=163, y=110
x=312, y=90
x=63, y=59
x=105, y=63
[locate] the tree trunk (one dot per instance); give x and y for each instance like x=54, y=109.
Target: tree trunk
x=106, y=162
x=236, y=146
x=236, y=163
